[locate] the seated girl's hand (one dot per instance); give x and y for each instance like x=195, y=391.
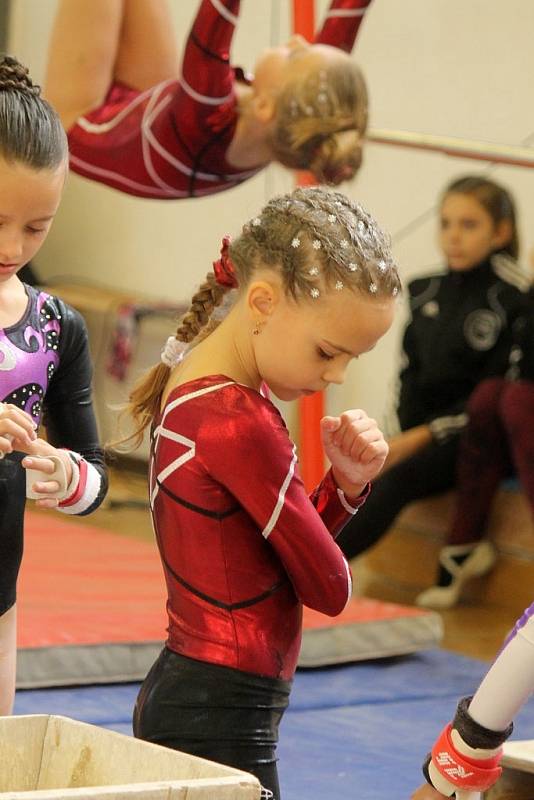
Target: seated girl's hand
x=38, y=459
x=355, y=447
x=406, y=444
x=17, y=429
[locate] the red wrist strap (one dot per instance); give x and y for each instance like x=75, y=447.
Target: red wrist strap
x=474, y=774
x=80, y=489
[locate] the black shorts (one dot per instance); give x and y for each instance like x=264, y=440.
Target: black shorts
x=12, y=502
x=215, y=712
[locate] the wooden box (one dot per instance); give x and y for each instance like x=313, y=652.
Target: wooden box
x=52, y=757
x=517, y=781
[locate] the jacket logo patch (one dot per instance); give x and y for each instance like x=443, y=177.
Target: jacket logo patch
x=482, y=328
x=430, y=309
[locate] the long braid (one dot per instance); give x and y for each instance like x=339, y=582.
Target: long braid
x=145, y=398
x=208, y=296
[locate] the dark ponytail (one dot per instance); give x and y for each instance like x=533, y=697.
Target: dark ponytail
x=30, y=130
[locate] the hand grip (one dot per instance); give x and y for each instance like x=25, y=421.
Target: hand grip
x=59, y=475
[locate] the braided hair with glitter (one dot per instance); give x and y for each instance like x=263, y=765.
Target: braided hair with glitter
x=316, y=239
x=30, y=130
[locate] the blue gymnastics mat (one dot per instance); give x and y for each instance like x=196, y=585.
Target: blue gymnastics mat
x=353, y=731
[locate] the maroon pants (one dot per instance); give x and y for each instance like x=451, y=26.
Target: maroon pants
x=498, y=441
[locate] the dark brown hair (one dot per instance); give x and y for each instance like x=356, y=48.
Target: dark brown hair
x=30, y=130
x=495, y=199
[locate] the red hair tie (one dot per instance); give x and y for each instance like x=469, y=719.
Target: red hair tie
x=223, y=268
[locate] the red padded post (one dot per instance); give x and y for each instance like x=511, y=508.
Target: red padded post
x=311, y=409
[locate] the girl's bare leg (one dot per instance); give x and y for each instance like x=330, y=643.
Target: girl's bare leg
x=81, y=56
x=147, y=51
x=8, y=660
x=94, y=42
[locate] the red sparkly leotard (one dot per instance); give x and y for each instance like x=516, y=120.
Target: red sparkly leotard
x=171, y=141
x=242, y=544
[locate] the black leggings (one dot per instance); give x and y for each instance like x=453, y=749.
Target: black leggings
x=12, y=502
x=428, y=472
x=215, y=712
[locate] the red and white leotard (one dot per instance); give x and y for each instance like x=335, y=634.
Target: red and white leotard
x=242, y=544
x=170, y=141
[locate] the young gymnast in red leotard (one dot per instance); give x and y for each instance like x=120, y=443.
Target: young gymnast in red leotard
x=243, y=547
x=138, y=123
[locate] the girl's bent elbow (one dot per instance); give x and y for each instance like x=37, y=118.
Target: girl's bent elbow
x=333, y=610
x=333, y=604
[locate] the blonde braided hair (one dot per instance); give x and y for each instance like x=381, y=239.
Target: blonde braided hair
x=316, y=239
x=321, y=120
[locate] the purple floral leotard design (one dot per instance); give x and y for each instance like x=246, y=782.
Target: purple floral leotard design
x=45, y=369
x=29, y=354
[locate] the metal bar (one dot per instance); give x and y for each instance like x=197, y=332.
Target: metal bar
x=515, y=156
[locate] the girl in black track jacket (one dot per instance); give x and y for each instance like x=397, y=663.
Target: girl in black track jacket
x=460, y=333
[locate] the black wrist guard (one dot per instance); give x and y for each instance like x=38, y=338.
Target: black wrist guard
x=476, y=735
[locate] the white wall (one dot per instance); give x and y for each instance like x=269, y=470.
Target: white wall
x=446, y=67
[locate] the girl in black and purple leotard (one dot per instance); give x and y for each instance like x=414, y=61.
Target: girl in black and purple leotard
x=45, y=369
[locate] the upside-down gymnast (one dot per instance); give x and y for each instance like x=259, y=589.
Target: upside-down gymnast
x=139, y=124
x=45, y=369
x=242, y=544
